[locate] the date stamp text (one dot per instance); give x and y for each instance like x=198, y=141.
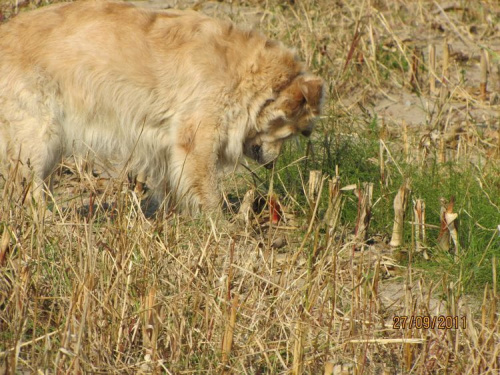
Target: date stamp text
x=429, y=322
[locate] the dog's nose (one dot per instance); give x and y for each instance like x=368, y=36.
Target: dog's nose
x=270, y=165
x=256, y=151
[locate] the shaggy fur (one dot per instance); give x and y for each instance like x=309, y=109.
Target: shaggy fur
x=176, y=96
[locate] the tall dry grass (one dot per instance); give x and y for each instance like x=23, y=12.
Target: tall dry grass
x=93, y=286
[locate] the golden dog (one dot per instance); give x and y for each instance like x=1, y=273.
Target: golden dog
x=176, y=96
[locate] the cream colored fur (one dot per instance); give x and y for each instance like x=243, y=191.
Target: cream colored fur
x=176, y=96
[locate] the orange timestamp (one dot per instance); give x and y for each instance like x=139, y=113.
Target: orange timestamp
x=429, y=322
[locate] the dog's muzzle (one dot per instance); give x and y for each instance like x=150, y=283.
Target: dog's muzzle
x=256, y=152
x=270, y=165
x=257, y=156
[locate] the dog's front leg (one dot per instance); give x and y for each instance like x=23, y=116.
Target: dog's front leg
x=193, y=179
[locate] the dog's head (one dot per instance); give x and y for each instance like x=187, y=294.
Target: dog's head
x=291, y=112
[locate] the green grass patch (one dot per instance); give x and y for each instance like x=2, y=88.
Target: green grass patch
x=475, y=188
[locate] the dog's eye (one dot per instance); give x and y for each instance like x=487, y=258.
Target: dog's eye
x=267, y=102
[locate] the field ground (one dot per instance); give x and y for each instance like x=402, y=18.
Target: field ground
x=96, y=287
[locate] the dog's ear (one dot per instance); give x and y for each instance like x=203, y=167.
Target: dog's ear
x=303, y=90
x=312, y=90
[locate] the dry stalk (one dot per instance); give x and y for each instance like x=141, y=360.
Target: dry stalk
x=494, y=271
x=444, y=234
x=81, y=324
x=432, y=69
x=298, y=347
x=483, y=80
x=4, y=245
x=400, y=205
x=373, y=54
x=150, y=324
x=311, y=224
x=444, y=93
x=21, y=303
x=498, y=142
x=314, y=185
x=442, y=149
x=446, y=62
x=406, y=144
x=364, y=196
x=484, y=315
x=329, y=368
x=245, y=213
x=227, y=341
x=409, y=341
x=419, y=225
x=66, y=349
x=415, y=65
x=375, y=285
x=451, y=218
x=352, y=49
x=124, y=308
x=333, y=211
x=408, y=349
x=449, y=228
x=382, y=139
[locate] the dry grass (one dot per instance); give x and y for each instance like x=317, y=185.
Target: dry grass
x=95, y=287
